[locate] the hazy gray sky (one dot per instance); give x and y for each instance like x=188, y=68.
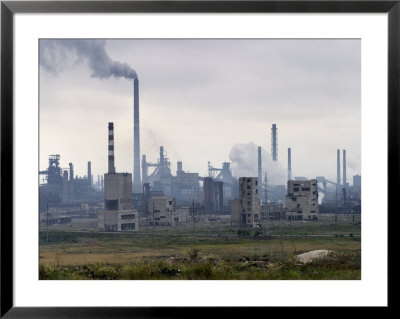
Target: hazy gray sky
x=203, y=100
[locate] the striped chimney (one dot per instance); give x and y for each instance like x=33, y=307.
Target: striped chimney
x=111, y=167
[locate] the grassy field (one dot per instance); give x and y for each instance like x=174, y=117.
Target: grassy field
x=208, y=251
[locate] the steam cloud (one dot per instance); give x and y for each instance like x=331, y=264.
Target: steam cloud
x=244, y=158
x=53, y=54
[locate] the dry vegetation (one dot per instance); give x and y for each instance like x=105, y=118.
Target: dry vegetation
x=210, y=253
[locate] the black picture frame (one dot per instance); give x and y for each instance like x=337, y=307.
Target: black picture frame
x=9, y=8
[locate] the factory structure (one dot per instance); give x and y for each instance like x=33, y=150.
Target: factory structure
x=301, y=200
x=155, y=196
x=59, y=187
x=118, y=214
x=246, y=210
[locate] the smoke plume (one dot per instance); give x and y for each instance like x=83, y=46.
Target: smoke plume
x=245, y=162
x=53, y=55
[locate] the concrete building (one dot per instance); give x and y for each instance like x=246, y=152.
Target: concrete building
x=160, y=211
x=213, y=195
x=356, y=189
x=301, y=200
x=117, y=191
x=246, y=210
x=120, y=220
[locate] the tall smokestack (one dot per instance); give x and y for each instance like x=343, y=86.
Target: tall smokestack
x=71, y=171
x=259, y=166
x=179, y=166
x=274, y=143
x=289, y=173
x=89, y=173
x=137, y=184
x=111, y=167
x=338, y=168
x=161, y=154
x=344, y=168
x=144, y=169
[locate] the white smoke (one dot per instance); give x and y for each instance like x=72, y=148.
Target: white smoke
x=244, y=159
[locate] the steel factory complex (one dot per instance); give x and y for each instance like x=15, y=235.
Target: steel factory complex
x=153, y=195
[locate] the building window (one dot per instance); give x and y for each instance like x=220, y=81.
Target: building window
x=295, y=189
x=305, y=189
x=130, y=216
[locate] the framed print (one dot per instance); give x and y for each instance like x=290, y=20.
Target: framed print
x=164, y=155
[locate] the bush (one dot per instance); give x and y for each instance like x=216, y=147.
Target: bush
x=193, y=254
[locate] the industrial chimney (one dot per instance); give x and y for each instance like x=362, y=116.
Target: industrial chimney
x=274, y=143
x=338, y=168
x=111, y=167
x=344, y=168
x=89, y=173
x=289, y=164
x=259, y=166
x=71, y=171
x=179, y=166
x=137, y=184
x=144, y=169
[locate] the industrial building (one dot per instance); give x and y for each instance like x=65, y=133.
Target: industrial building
x=213, y=196
x=246, y=210
x=60, y=187
x=185, y=186
x=356, y=191
x=230, y=183
x=118, y=214
x=301, y=200
x=160, y=211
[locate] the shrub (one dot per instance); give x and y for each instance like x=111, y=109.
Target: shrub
x=193, y=254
